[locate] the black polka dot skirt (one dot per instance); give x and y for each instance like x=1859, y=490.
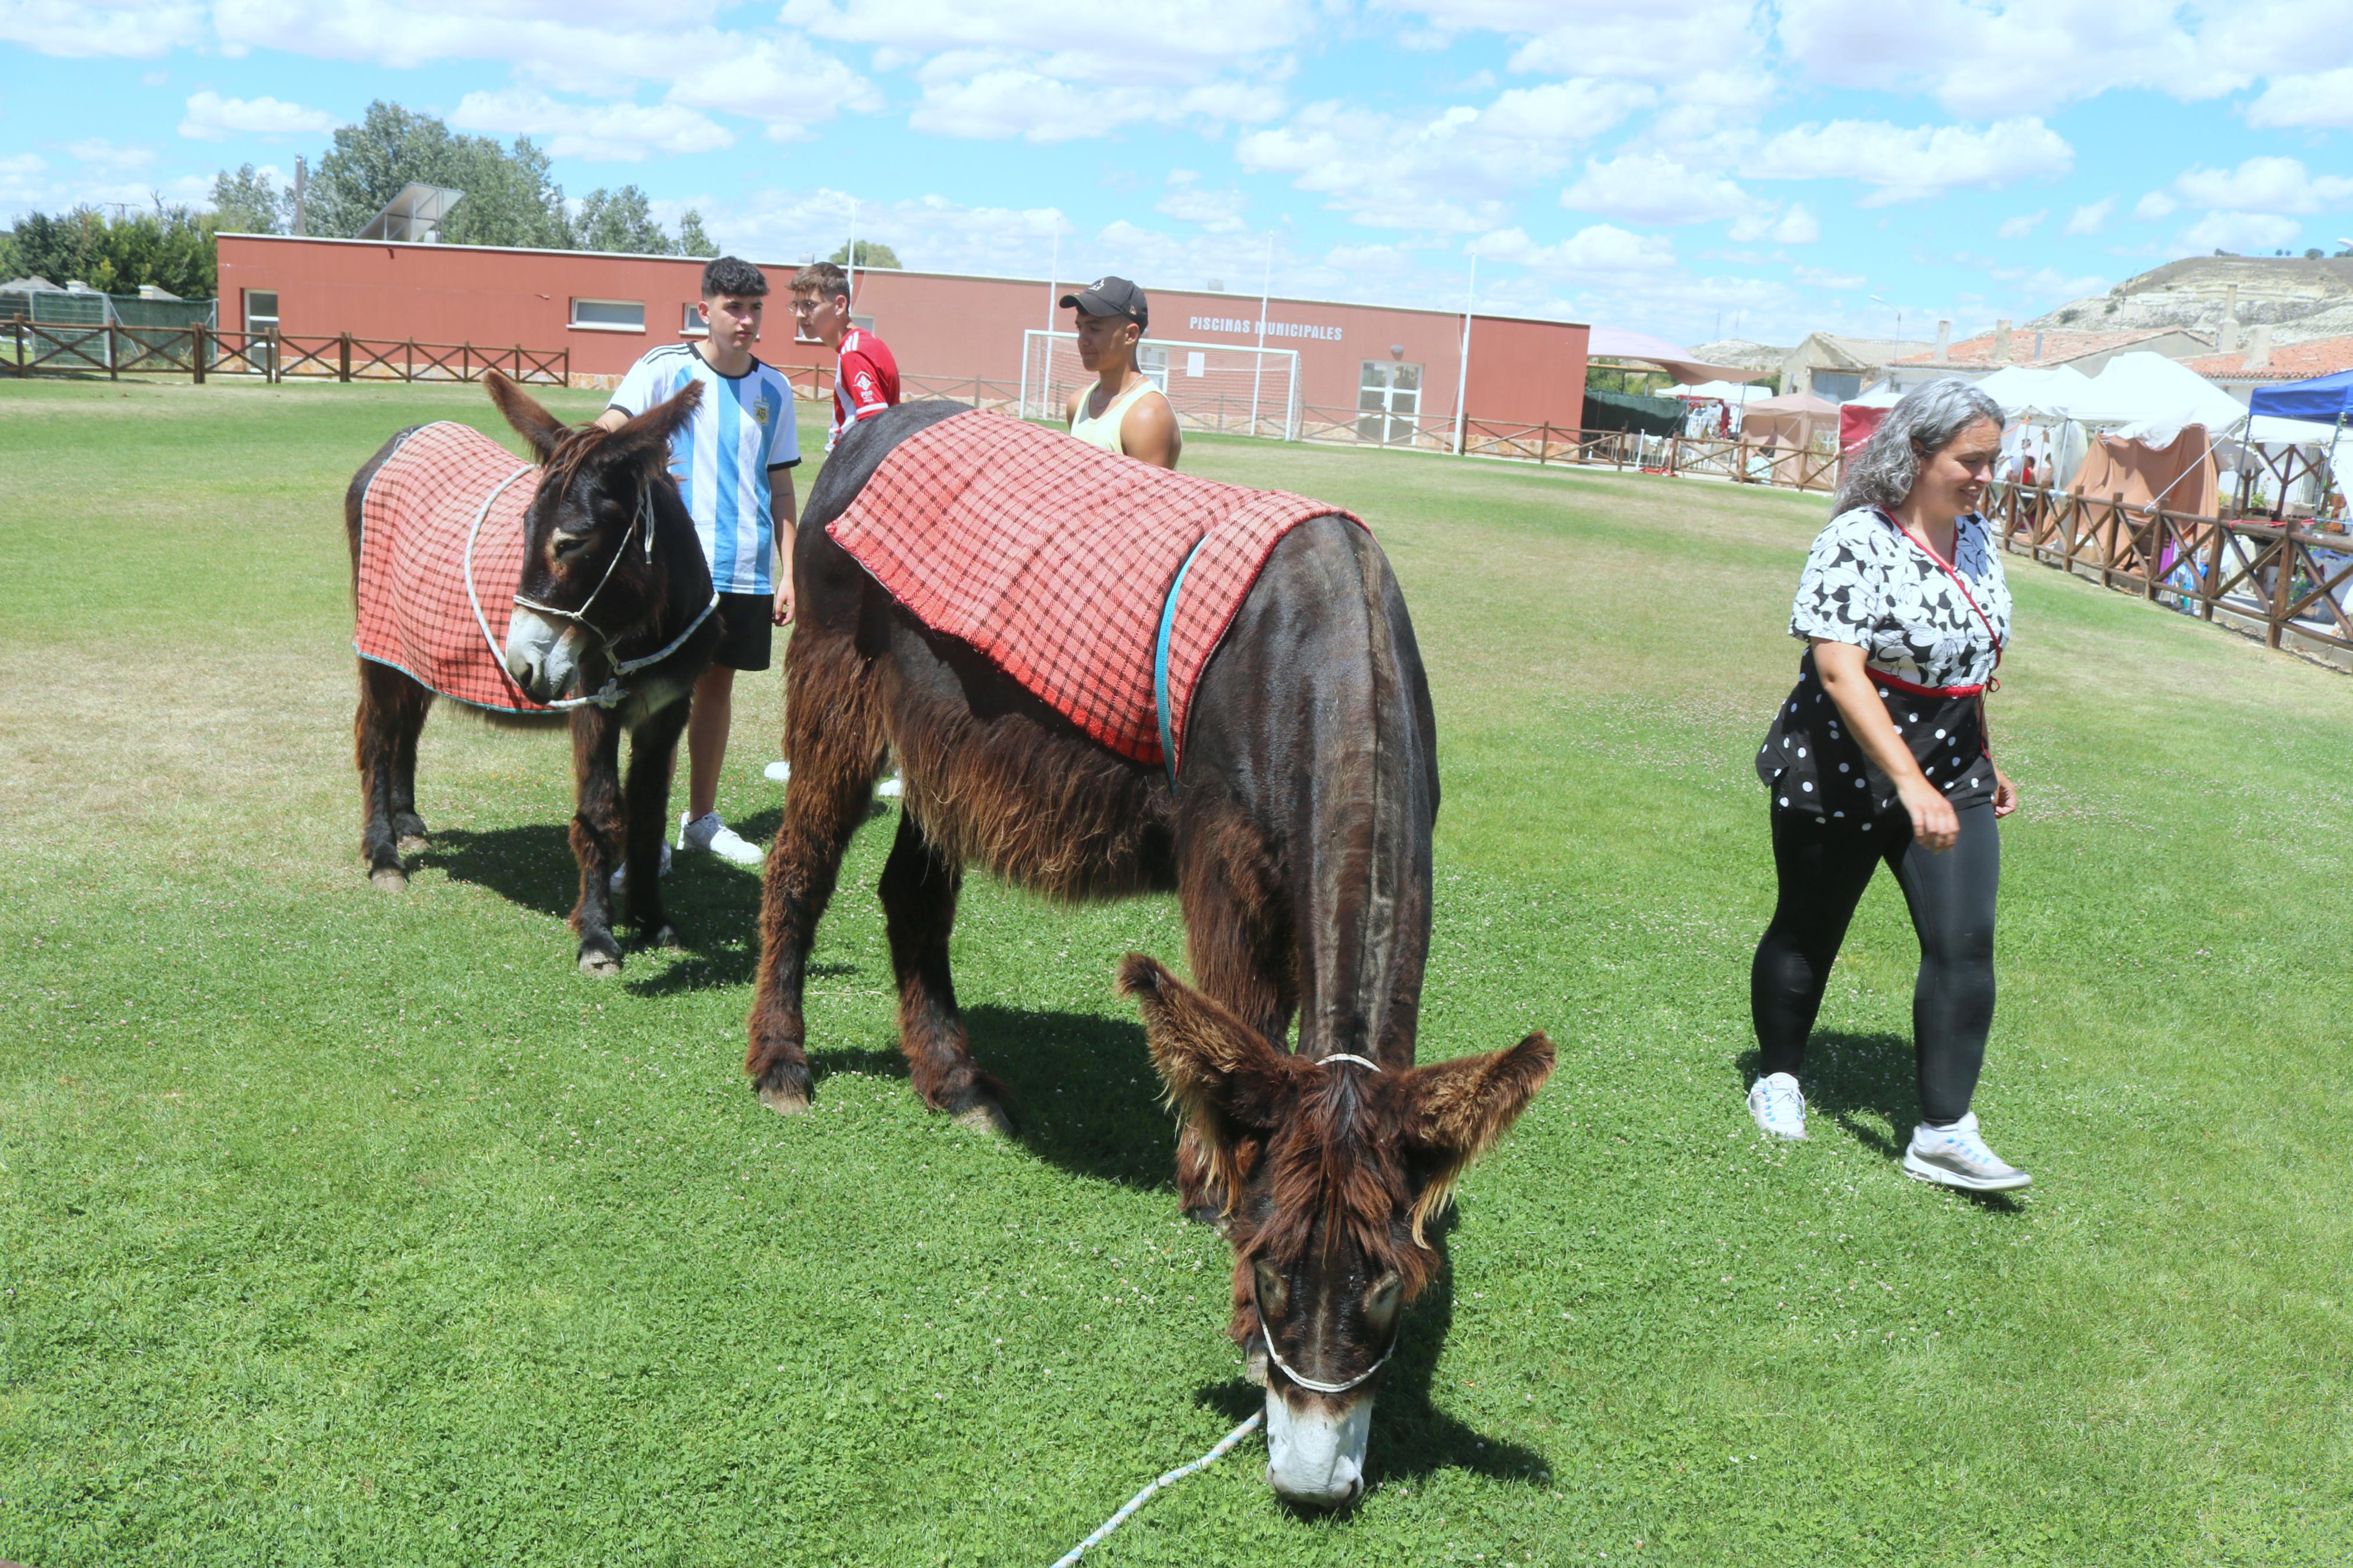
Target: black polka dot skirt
x=1812, y=764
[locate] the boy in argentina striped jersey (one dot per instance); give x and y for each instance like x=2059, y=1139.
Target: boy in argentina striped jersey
x=734, y=463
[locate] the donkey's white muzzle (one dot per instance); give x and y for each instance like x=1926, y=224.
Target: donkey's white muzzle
x=542, y=657
x=1315, y=1455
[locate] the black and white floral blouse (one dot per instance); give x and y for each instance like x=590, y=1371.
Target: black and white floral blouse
x=1931, y=631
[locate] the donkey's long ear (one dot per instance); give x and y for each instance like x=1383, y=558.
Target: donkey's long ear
x=646, y=438
x=1457, y=1110
x=1223, y=1077
x=536, y=424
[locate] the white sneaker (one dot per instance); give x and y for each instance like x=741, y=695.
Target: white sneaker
x=707, y=832
x=890, y=788
x=620, y=876
x=777, y=772
x=1956, y=1156
x=1778, y=1106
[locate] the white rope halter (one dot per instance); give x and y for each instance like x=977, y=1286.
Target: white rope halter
x=1267, y=1334
x=611, y=693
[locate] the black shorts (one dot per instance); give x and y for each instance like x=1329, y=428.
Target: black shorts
x=745, y=631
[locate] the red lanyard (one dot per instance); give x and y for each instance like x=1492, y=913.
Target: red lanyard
x=1957, y=581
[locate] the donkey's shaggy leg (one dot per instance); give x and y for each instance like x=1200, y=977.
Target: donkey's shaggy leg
x=653, y=747
x=836, y=751
x=391, y=712
x=407, y=825
x=597, y=830
x=919, y=901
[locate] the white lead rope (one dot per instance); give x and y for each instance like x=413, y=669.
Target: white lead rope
x=1225, y=1446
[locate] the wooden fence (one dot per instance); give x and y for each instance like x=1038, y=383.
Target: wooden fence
x=2286, y=582
x=28, y=348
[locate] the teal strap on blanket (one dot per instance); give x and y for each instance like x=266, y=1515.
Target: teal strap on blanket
x=1160, y=661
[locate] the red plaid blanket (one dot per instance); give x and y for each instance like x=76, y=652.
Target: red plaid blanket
x=413, y=611
x=1055, y=558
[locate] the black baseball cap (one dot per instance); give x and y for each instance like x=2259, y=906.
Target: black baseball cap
x=1112, y=297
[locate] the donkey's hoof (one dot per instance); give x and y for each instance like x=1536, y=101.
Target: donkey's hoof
x=984, y=1116
x=598, y=963
x=415, y=843
x=389, y=878
x=662, y=935
x=785, y=1089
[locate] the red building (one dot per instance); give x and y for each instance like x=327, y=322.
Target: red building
x=1371, y=362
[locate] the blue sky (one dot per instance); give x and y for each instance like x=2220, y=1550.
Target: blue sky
x=1681, y=167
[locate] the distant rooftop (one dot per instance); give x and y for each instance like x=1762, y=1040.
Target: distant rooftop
x=2039, y=346
x=2290, y=362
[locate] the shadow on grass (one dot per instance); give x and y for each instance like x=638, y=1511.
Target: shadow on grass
x=1869, y=1085
x=1411, y=1437
x=715, y=908
x=1084, y=1097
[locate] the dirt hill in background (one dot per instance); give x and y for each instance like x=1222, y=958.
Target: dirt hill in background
x=1759, y=357
x=2301, y=299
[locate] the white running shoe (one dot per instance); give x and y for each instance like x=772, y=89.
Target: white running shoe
x=890, y=788
x=1956, y=1156
x=707, y=832
x=1778, y=1106
x=777, y=772
x=620, y=879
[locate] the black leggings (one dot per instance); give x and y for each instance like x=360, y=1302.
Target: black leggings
x=1823, y=869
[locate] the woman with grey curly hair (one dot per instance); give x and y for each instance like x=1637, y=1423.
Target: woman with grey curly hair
x=1879, y=756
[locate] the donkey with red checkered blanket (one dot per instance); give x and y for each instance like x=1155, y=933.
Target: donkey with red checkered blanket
x=505, y=587
x=1101, y=678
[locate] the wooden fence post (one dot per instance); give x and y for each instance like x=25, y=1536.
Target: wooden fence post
x=113, y=351
x=2281, y=571
x=197, y=335
x=272, y=371
x=344, y=357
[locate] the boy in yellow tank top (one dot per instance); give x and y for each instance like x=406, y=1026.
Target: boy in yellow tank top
x=1123, y=411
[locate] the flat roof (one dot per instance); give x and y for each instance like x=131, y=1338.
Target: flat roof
x=904, y=272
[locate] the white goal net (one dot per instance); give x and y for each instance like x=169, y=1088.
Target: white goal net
x=1234, y=388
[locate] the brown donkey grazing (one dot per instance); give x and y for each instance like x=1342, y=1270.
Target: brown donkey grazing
x=605, y=532
x=1297, y=837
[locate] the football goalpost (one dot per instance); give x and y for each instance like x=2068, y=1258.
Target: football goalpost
x=1236, y=388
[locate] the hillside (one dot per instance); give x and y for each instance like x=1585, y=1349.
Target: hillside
x=2303, y=298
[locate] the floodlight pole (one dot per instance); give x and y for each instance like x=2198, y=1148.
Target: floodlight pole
x=1462, y=366
x=1258, y=366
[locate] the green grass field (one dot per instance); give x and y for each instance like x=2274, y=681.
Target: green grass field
x=346, y=1227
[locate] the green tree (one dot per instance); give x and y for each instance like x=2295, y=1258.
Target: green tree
x=245, y=202
x=870, y=253
x=511, y=197
x=170, y=247
x=691, y=240
x=620, y=220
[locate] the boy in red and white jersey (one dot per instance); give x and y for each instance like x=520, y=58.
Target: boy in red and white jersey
x=865, y=377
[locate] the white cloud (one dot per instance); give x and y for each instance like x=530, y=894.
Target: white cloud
x=928, y=232
x=1912, y=163
x=2155, y=205
x=2265, y=185
x=1667, y=41
x=1600, y=250
x=1447, y=170
x=1818, y=279
x=782, y=81
x=1168, y=41
x=2021, y=226
x=984, y=95
x=2004, y=57
x=79, y=31
x=621, y=132
x=2322, y=99
x=212, y=118
x=2240, y=231
x=1795, y=226
x=1218, y=212
x=2092, y=217
x=1652, y=187
x=100, y=152
x=20, y=179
